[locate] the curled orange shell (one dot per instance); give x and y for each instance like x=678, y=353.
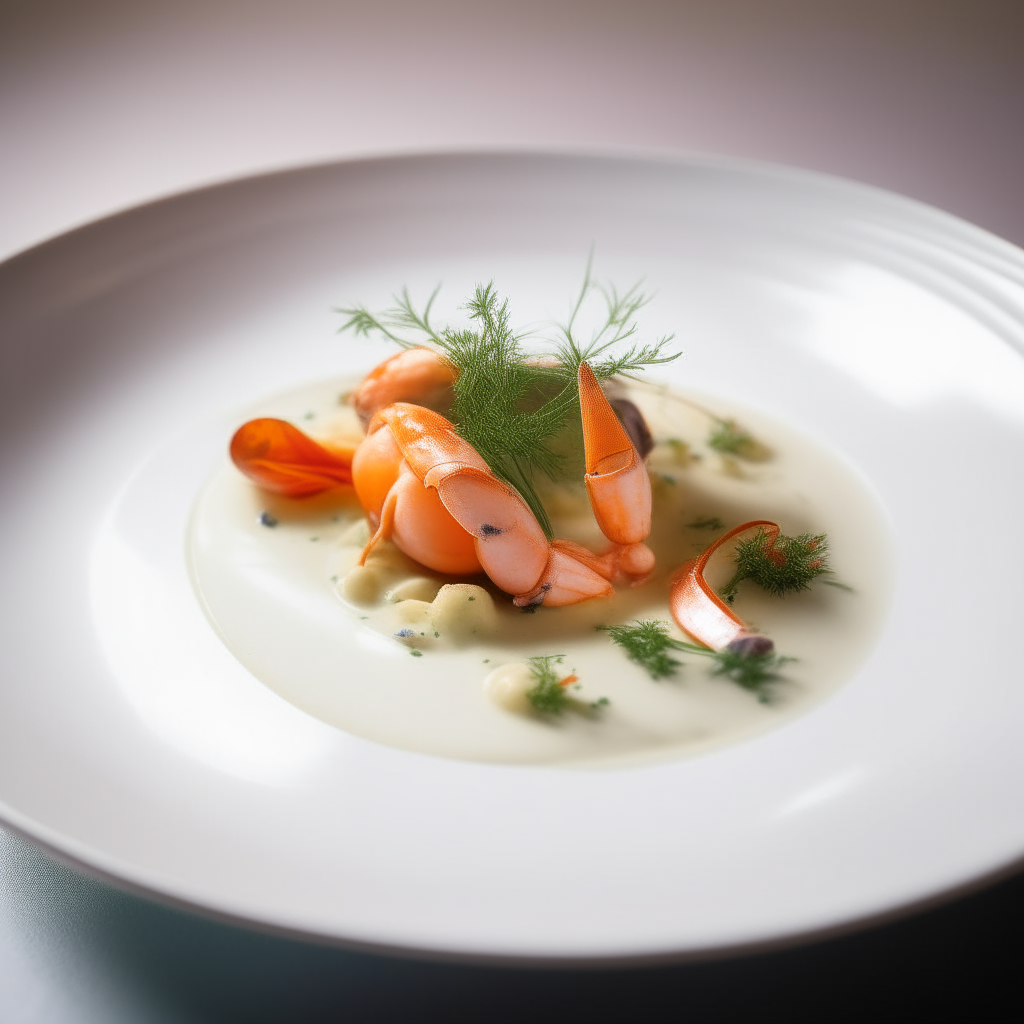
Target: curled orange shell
x=697, y=608
x=282, y=459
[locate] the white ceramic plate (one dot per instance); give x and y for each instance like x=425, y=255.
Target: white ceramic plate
x=132, y=742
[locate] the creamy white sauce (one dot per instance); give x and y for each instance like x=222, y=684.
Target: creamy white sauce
x=283, y=601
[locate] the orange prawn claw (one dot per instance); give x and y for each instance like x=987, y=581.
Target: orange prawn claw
x=617, y=483
x=418, y=375
x=566, y=580
x=509, y=542
x=282, y=459
x=697, y=608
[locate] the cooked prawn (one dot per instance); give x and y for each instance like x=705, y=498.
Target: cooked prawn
x=430, y=492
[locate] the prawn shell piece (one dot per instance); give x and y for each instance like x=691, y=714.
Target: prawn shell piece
x=510, y=543
x=414, y=375
x=426, y=531
x=566, y=581
x=281, y=458
x=426, y=438
x=375, y=468
x=617, y=481
x=697, y=608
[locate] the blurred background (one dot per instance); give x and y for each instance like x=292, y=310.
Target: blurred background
x=109, y=103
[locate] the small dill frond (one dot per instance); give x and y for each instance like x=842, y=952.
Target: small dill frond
x=783, y=567
x=618, y=326
x=549, y=696
x=752, y=671
x=402, y=316
x=639, y=357
x=362, y=323
x=706, y=523
x=754, y=666
x=729, y=439
x=546, y=696
x=647, y=642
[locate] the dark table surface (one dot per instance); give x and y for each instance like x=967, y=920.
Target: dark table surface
x=95, y=953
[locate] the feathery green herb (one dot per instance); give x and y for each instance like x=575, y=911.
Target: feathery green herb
x=647, y=642
x=510, y=410
x=548, y=696
x=752, y=669
x=402, y=316
x=619, y=325
x=493, y=385
x=706, y=523
x=788, y=565
x=729, y=439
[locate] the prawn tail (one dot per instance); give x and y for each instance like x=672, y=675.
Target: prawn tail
x=281, y=458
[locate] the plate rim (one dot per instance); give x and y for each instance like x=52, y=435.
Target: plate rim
x=93, y=862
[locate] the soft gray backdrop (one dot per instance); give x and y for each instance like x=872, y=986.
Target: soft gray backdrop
x=108, y=103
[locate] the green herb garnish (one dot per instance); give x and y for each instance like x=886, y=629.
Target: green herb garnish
x=783, y=567
x=618, y=326
x=726, y=437
x=751, y=662
x=706, y=523
x=494, y=382
x=549, y=695
x=647, y=642
x=752, y=670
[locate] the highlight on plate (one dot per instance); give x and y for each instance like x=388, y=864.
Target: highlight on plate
x=533, y=500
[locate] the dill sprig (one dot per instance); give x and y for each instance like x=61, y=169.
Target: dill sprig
x=729, y=439
x=751, y=661
x=548, y=696
x=706, y=523
x=509, y=409
x=619, y=325
x=753, y=671
x=401, y=316
x=647, y=642
x=493, y=385
x=783, y=567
